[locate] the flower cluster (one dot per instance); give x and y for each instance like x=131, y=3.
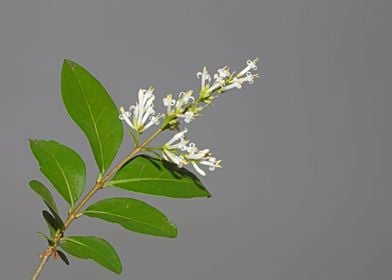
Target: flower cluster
x=186, y=107
x=225, y=80
x=181, y=108
x=179, y=151
x=143, y=111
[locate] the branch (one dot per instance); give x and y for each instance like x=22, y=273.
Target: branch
x=73, y=214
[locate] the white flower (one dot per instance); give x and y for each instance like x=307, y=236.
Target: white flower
x=177, y=151
x=191, y=149
x=216, y=85
x=237, y=82
x=183, y=100
x=170, y=151
x=250, y=77
x=220, y=78
x=204, y=77
x=153, y=120
x=198, y=169
x=168, y=102
x=188, y=116
x=222, y=73
x=183, y=107
x=211, y=162
x=125, y=116
x=251, y=66
x=203, y=157
x=224, y=80
x=138, y=114
x=177, y=159
x=198, y=155
x=178, y=136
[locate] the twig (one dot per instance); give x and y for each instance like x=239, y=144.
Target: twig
x=75, y=211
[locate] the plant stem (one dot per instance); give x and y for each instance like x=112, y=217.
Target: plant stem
x=44, y=259
x=73, y=214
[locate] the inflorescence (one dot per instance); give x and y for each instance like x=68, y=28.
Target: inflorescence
x=186, y=108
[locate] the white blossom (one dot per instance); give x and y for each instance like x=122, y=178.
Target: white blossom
x=222, y=73
x=178, y=136
x=251, y=65
x=224, y=80
x=237, y=82
x=204, y=77
x=139, y=114
x=182, y=107
x=178, y=151
x=202, y=157
x=153, y=120
x=220, y=78
x=169, y=102
x=170, y=151
x=175, y=158
x=183, y=100
x=188, y=116
x=211, y=162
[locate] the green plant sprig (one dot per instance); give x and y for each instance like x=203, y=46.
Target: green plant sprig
x=93, y=110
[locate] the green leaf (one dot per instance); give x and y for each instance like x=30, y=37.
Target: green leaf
x=44, y=193
x=63, y=257
x=92, y=247
x=152, y=176
x=52, y=223
x=49, y=240
x=47, y=197
x=64, y=168
x=93, y=110
x=133, y=215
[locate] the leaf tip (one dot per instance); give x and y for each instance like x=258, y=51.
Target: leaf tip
x=118, y=270
x=32, y=141
x=63, y=257
x=69, y=62
x=33, y=182
x=174, y=230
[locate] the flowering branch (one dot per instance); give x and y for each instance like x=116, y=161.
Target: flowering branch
x=94, y=112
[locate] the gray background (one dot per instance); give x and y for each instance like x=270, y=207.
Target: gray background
x=305, y=192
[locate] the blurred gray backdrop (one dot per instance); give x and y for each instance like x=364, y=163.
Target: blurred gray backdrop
x=305, y=192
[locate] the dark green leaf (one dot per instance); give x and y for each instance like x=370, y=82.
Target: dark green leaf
x=92, y=247
x=152, y=176
x=63, y=257
x=63, y=167
x=133, y=215
x=93, y=110
x=44, y=193
x=58, y=219
x=52, y=223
